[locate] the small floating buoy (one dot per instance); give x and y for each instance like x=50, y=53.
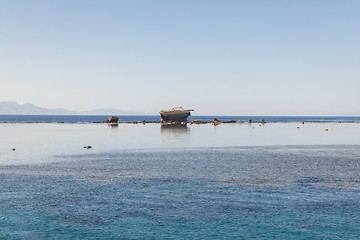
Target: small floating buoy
x=88, y=147
x=327, y=129
x=298, y=127
x=13, y=149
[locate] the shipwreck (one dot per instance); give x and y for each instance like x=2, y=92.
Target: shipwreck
x=175, y=115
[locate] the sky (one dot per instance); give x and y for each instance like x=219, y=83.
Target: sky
x=224, y=57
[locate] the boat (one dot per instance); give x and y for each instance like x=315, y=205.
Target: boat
x=175, y=115
x=113, y=121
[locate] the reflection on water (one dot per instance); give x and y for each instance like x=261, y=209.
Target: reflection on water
x=224, y=182
x=35, y=143
x=175, y=129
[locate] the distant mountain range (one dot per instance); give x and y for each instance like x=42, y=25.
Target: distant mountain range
x=13, y=108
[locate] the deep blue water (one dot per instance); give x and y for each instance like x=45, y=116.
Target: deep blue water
x=285, y=192
x=99, y=118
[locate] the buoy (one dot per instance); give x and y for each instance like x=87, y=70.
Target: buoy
x=13, y=149
x=327, y=129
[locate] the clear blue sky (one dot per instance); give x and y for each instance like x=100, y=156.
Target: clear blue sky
x=219, y=57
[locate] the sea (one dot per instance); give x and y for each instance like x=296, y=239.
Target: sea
x=75, y=177
x=153, y=118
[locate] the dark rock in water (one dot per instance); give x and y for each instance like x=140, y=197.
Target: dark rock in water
x=216, y=121
x=13, y=149
x=230, y=121
x=196, y=122
x=88, y=147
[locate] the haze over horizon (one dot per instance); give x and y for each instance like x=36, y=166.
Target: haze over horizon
x=14, y=108
x=217, y=57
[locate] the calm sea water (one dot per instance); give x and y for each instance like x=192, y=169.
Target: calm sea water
x=232, y=181
x=151, y=118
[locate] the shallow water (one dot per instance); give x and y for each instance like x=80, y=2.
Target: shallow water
x=201, y=182
x=156, y=118
x=37, y=143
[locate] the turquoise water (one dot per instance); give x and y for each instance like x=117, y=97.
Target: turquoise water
x=202, y=182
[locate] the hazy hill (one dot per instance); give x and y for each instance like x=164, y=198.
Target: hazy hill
x=13, y=108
